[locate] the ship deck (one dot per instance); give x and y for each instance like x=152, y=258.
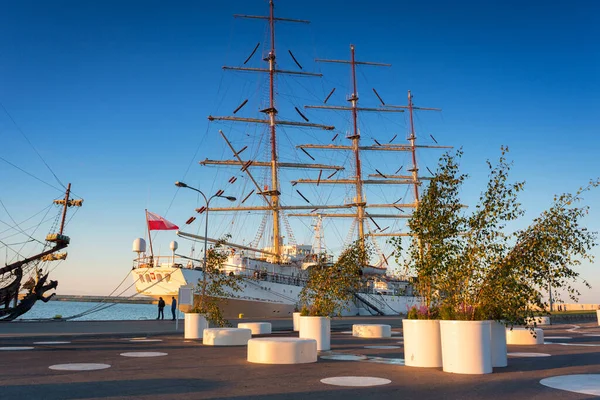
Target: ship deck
x=193, y=371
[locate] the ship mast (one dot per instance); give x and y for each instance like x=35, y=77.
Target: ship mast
x=271, y=111
x=272, y=194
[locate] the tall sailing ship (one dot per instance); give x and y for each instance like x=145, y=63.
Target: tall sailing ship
x=24, y=281
x=274, y=273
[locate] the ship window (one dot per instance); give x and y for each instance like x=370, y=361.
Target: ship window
x=159, y=277
x=168, y=277
x=147, y=278
x=142, y=278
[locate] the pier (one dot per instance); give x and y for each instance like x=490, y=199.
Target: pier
x=104, y=299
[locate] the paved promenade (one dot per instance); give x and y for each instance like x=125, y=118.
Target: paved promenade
x=189, y=370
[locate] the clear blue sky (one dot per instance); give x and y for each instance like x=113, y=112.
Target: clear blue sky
x=114, y=95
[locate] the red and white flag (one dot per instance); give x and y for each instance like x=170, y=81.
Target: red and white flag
x=158, y=223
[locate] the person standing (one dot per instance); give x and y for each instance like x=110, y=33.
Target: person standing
x=173, y=307
x=161, y=308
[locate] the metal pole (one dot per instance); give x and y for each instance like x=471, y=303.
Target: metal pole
x=205, y=247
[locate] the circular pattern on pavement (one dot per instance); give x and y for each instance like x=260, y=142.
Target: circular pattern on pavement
x=79, y=367
x=559, y=337
x=583, y=383
x=145, y=340
x=16, y=348
x=51, y=342
x=360, y=381
x=382, y=347
x=344, y=357
x=382, y=360
x=143, y=354
x=528, y=355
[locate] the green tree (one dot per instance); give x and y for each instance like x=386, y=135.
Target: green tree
x=331, y=287
x=217, y=286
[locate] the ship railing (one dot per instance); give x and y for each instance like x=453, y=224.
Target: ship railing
x=164, y=261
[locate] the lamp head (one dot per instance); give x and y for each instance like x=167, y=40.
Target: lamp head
x=180, y=184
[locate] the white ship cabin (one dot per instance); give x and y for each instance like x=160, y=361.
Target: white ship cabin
x=386, y=286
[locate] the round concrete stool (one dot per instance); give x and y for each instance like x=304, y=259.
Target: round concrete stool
x=226, y=336
x=372, y=331
x=538, y=321
x=284, y=350
x=257, y=328
x=524, y=336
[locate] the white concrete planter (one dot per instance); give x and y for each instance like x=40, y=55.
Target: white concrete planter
x=194, y=326
x=598, y=316
x=499, y=351
x=466, y=347
x=318, y=328
x=296, y=320
x=422, y=343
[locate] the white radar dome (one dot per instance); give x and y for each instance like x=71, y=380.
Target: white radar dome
x=139, y=245
x=173, y=245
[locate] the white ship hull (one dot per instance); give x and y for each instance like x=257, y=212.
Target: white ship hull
x=260, y=298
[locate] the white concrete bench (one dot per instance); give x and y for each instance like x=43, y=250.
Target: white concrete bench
x=257, y=328
x=226, y=336
x=372, y=331
x=284, y=350
x=524, y=336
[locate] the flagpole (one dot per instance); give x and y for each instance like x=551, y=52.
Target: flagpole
x=149, y=239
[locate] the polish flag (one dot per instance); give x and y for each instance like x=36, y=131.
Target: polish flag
x=158, y=223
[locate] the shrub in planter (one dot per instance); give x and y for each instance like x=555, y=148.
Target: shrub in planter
x=485, y=272
x=329, y=290
x=215, y=287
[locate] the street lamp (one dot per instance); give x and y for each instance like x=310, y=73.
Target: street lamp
x=207, y=200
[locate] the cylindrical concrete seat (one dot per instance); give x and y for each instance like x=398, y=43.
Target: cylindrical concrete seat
x=226, y=336
x=257, y=328
x=284, y=350
x=538, y=321
x=372, y=331
x=524, y=336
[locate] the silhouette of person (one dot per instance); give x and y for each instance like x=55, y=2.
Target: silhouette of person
x=161, y=308
x=173, y=307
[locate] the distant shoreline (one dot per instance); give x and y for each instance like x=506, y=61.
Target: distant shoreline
x=104, y=299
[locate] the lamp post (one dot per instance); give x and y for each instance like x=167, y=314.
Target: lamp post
x=207, y=200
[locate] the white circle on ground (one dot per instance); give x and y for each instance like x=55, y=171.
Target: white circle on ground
x=383, y=360
x=592, y=334
x=559, y=337
x=584, y=383
x=51, y=342
x=145, y=340
x=355, y=381
x=528, y=355
x=344, y=357
x=346, y=332
x=144, y=354
x=79, y=367
x=382, y=347
x=16, y=348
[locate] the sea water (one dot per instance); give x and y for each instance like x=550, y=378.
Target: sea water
x=98, y=311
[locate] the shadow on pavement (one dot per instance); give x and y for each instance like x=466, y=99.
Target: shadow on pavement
x=102, y=389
